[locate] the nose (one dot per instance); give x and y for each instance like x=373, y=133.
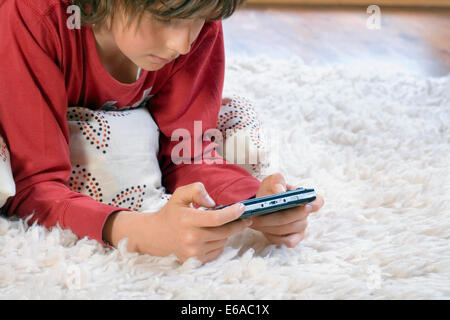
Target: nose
x=180, y=40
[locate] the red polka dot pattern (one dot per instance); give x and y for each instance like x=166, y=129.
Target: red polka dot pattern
x=82, y=181
x=97, y=134
x=131, y=198
x=238, y=114
x=164, y=196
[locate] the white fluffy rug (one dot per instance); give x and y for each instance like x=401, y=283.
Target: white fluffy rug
x=375, y=143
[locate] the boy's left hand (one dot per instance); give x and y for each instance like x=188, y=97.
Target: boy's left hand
x=287, y=226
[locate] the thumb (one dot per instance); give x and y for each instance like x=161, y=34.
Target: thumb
x=277, y=183
x=193, y=193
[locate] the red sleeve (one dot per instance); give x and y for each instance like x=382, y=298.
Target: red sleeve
x=194, y=93
x=33, y=106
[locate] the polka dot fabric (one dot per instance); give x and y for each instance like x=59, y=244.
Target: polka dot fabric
x=96, y=131
x=114, y=158
x=7, y=185
x=114, y=153
x=243, y=139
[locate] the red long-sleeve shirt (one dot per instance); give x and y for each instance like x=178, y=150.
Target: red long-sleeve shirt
x=45, y=67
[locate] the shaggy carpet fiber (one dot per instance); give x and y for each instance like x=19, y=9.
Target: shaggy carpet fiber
x=373, y=141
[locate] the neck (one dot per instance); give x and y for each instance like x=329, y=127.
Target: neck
x=114, y=61
x=106, y=45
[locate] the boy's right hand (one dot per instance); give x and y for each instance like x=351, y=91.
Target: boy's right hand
x=180, y=229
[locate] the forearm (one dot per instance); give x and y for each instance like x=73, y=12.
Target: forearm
x=225, y=183
x=51, y=203
x=146, y=233
x=120, y=225
x=143, y=231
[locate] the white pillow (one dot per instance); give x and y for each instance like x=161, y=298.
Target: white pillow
x=114, y=158
x=244, y=142
x=7, y=185
x=114, y=154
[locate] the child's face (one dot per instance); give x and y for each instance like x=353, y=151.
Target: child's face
x=155, y=37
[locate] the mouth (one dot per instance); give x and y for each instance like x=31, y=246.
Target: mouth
x=159, y=59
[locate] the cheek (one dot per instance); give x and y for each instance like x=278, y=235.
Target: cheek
x=135, y=47
x=196, y=31
x=136, y=44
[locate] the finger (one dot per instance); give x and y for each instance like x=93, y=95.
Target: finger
x=212, y=255
x=282, y=217
x=317, y=204
x=214, y=245
x=195, y=192
x=295, y=227
x=226, y=231
x=209, y=247
x=277, y=182
x=290, y=240
x=215, y=218
x=292, y=187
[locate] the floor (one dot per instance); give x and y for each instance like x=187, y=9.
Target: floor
x=416, y=39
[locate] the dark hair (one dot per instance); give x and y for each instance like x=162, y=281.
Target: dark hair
x=97, y=11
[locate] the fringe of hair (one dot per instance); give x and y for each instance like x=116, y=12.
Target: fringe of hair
x=98, y=11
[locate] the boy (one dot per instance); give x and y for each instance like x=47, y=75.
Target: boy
x=164, y=55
